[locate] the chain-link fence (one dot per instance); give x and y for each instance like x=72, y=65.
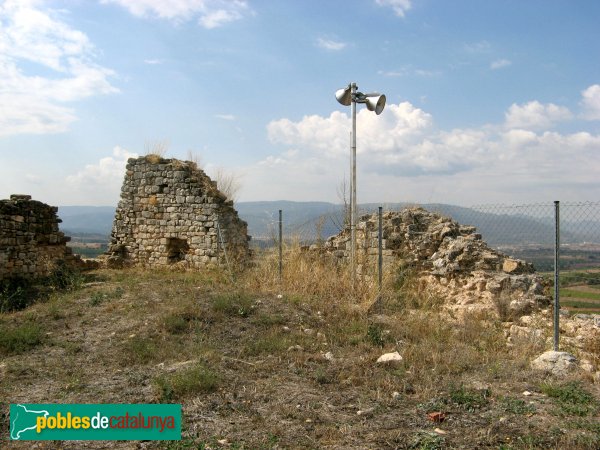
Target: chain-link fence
x=523, y=231
x=529, y=232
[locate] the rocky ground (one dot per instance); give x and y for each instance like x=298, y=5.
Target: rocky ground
x=256, y=371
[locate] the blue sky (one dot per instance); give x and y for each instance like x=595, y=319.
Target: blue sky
x=487, y=101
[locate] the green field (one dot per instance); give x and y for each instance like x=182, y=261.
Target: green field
x=581, y=291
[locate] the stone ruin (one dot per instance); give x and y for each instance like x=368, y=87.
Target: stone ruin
x=171, y=213
x=31, y=245
x=452, y=261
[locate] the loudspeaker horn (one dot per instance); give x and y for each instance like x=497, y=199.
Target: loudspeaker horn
x=344, y=96
x=376, y=104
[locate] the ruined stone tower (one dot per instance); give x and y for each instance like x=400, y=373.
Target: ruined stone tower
x=31, y=245
x=170, y=213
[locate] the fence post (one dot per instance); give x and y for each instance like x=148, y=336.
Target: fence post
x=280, y=248
x=380, y=257
x=556, y=273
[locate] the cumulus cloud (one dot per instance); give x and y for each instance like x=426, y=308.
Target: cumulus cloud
x=403, y=156
x=500, y=63
x=100, y=183
x=398, y=6
x=535, y=115
x=209, y=13
x=330, y=44
x=397, y=126
x=33, y=103
x=591, y=102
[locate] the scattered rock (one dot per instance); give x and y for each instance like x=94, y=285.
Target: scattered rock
x=436, y=416
x=328, y=356
x=513, y=266
x=556, y=363
x=389, y=358
x=295, y=348
x=365, y=412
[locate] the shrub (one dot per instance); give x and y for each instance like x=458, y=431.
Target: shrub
x=468, y=399
x=16, y=294
x=375, y=335
x=233, y=304
x=571, y=398
x=64, y=277
x=20, y=338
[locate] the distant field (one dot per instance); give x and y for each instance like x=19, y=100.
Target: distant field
x=581, y=297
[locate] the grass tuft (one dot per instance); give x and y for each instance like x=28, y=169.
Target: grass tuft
x=187, y=382
x=233, y=304
x=20, y=338
x=571, y=398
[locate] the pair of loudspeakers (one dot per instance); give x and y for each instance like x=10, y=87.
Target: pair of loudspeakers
x=374, y=102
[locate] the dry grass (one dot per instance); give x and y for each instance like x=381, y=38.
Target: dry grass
x=297, y=371
x=156, y=149
x=228, y=183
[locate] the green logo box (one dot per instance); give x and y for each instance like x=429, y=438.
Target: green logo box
x=95, y=422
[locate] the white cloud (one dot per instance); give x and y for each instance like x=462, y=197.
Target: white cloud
x=591, y=102
x=33, y=103
x=402, y=156
x=100, y=183
x=399, y=6
x=330, y=44
x=153, y=62
x=210, y=13
x=500, y=63
x=225, y=116
x=535, y=115
x=478, y=47
x=409, y=71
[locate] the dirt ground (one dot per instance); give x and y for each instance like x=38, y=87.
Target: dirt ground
x=255, y=371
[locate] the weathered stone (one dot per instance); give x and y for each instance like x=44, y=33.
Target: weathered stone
x=174, y=216
x=556, y=363
x=31, y=246
x=450, y=259
x=510, y=266
x=389, y=358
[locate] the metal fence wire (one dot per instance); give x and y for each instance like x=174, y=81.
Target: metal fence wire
x=524, y=231
x=529, y=231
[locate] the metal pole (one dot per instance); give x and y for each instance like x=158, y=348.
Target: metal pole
x=380, y=256
x=353, y=215
x=556, y=273
x=280, y=247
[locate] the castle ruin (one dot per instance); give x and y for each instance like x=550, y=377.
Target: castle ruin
x=171, y=213
x=31, y=244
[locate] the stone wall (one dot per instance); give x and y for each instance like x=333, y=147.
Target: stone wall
x=171, y=213
x=452, y=261
x=30, y=242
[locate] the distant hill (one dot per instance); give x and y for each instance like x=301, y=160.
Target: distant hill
x=309, y=220
x=86, y=219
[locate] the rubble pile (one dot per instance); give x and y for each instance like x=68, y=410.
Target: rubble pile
x=451, y=259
